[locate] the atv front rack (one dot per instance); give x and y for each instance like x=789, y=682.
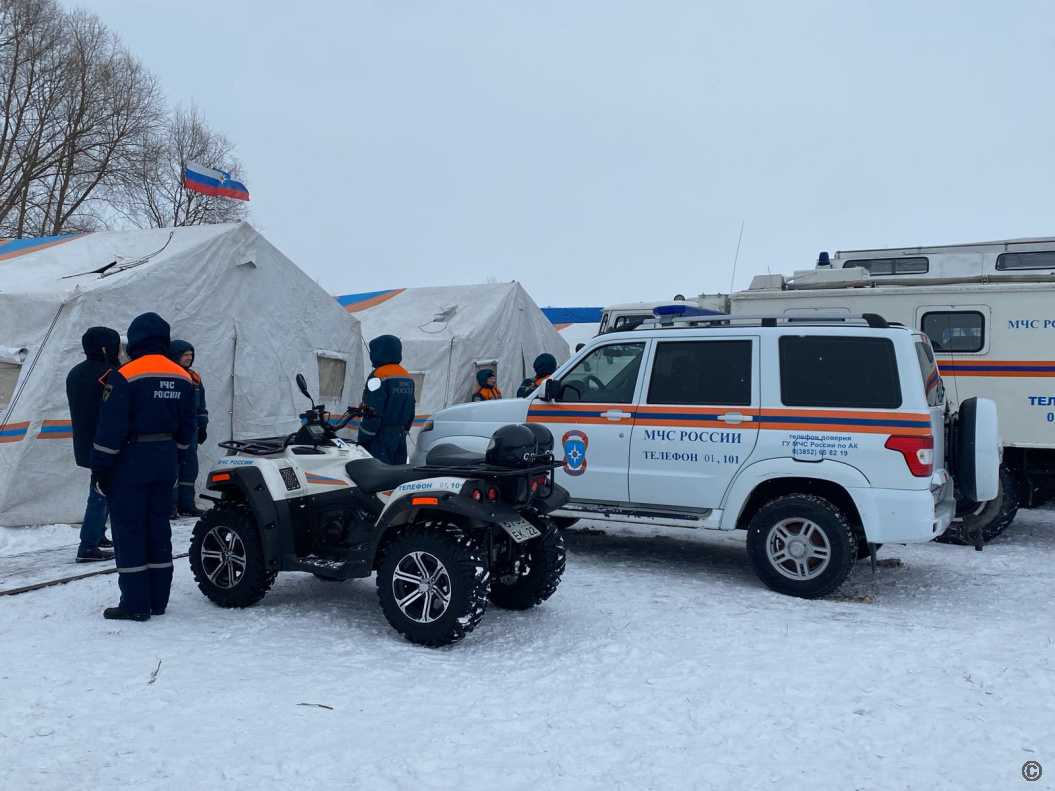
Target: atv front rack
x=261, y=446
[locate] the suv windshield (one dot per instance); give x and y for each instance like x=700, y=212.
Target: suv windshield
x=608, y=374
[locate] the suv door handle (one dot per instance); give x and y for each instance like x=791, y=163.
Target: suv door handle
x=616, y=414
x=733, y=417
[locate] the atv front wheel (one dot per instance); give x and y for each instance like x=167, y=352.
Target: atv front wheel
x=227, y=558
x=992, y=518
x=433, y=583
x=530, y=577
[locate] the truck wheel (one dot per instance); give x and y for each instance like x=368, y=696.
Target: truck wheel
x=227, y=558
x=801, y=545
x=993, y=517
x=540, y=572
x=433, y=582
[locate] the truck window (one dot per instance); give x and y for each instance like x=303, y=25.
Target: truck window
x=702, y=372
x=1044, y=259
x=931, y=378
x=891, y=266
x=955, y=330
x=606, y=375
x=839, y=372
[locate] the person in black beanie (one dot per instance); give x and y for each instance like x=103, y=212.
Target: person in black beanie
x=84, y=391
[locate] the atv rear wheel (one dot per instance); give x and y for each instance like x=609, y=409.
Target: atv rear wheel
x=433, y=583
x=530, y=579
x=227, y=558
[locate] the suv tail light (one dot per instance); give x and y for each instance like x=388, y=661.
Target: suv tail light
x=918, y=453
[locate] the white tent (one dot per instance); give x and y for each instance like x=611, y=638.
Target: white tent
x=574, y=334
x=451, y=332
x=254, y=318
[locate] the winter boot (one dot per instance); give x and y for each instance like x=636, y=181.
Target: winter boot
x=117, y=614
x=91, y=555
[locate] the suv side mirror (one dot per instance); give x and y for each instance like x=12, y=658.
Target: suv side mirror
x=550, y=390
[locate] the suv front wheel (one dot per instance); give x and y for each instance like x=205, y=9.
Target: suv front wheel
x=801, y=545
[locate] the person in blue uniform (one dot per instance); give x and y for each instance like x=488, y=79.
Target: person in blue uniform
x=84, y=392
x=146, y=423
x=545, y=364
x=182, y=353
x=389, y=392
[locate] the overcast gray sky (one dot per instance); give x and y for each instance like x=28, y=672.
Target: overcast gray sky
x=602, y=151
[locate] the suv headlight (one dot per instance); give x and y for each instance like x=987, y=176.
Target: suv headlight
x=428, y=426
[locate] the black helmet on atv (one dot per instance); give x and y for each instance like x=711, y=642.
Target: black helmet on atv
x=543, y=436
x=512, y=446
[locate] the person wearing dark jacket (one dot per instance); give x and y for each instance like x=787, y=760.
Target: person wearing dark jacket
x=182, y=353
x=389, y=392
x=146, y=424
x=545, y=364
x=84, y=391
x=488, y=386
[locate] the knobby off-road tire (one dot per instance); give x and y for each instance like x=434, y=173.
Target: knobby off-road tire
x=801, y=545
x=564, y=522
x=545, y=567
x=994, y=517
x=433, y=582
x=227, y=557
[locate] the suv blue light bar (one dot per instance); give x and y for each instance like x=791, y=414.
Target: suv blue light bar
x=684, y=310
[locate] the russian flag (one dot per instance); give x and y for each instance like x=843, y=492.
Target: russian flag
x=209, y=181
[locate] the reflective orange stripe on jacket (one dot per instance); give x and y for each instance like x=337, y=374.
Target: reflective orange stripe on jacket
x=488, y=393
x=152, y=365
x=385, y=371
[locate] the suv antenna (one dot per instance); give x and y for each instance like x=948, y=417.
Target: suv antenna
x=737, y=256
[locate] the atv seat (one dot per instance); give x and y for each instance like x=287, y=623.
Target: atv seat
x=371, y=475
x=450, y=455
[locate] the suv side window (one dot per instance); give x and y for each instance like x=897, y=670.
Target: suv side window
x=607, y=375
x=702, y=372
x=931, y=378
x=836, y=371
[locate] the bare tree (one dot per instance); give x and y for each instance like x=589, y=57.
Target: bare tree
x=154, y=195
x=31, y=55
x=86, y=143
x=109, y=103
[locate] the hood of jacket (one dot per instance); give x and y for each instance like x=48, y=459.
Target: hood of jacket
x=483, y=376
x=176, y=349
x=545, y=364
x=147, y=334
x=101, y=343
x=385, y=350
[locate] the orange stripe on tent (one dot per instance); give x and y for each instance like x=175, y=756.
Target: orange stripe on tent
x=559, y=327
x=355, y=307
x=35, y=248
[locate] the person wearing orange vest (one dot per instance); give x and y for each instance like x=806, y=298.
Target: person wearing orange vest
x=389, y=392
x=488, y=386
x=146, y=424
x=545, y=364
x=182, y=353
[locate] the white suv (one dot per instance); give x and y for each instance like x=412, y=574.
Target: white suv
x=823, y=437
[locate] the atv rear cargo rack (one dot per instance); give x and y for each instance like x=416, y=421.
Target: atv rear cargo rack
x=261, y=446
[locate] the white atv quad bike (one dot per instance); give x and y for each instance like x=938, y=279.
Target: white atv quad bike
x=444, y=537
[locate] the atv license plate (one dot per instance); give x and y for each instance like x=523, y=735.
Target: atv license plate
x=521, y=530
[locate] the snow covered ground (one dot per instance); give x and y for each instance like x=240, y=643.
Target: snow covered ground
x=660, y=663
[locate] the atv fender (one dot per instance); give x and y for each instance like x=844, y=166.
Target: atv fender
x=269, y=515
x=447, y=506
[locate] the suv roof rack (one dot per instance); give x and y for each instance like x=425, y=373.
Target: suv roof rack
x=873, y=320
